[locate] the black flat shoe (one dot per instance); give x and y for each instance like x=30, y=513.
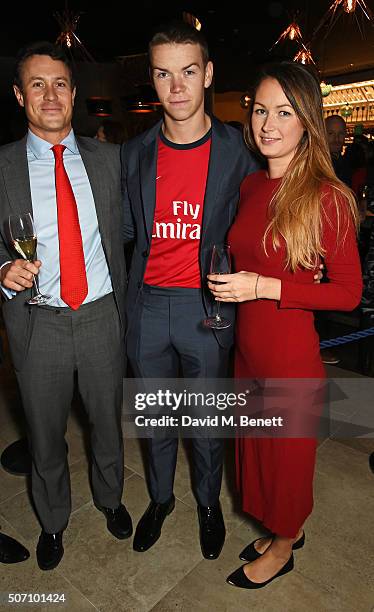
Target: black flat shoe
x=239, y=579
x=212, y=530
x=149, y=527
x=49, y=550
x=118, y=521
x=249, y=553
x=12, y=551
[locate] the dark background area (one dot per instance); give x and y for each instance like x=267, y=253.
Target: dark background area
x=240, y=34
x=118, y=28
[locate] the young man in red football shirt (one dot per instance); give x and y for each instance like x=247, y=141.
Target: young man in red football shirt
x=181, y=187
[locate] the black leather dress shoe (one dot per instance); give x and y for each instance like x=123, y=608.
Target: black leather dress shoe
x=16, y=458
x=212, y=530
x=251, y=554
x=118, y=521
x=239, y=579
x=149, y=527
x=49, y=550
x=12, y=551
x=371, y=462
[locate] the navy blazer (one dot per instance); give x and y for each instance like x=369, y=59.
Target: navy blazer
x=229, y=162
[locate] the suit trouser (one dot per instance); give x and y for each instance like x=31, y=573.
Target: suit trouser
x=165, y=340
x=87, y=341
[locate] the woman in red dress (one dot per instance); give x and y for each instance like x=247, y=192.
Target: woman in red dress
x=290, y=217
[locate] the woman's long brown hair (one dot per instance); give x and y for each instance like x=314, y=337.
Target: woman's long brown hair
x=297, y=207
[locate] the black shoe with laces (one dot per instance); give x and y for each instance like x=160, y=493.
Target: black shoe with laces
x=149, y=527
x=118, y=521
x=49, y=550
x=212, y=530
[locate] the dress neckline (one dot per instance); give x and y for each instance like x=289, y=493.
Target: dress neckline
x=270, y=180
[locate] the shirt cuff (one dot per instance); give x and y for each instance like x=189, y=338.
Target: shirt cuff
x=9, y=293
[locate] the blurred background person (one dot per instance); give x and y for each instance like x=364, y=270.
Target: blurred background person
x=336, y=133
x=357, y=157
x=111, y=131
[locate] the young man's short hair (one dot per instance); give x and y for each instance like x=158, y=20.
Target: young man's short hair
x=180, y=33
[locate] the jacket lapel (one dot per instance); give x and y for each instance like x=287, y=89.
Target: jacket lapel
x=216, y=172
x=16, y=179
x=148, y=165
x=93, y=162
x=148, y=168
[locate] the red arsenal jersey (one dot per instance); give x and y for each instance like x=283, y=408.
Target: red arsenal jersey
x=182, y=172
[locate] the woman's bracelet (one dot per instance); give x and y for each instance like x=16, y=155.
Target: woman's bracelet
x=258, y=276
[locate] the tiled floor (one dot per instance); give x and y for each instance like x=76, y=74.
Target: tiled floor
x=333, y=572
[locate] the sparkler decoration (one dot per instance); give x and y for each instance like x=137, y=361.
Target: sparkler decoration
x=304, y=56
x=349, y=6
x=293, y=32
x=337, y=8
x=68, y=21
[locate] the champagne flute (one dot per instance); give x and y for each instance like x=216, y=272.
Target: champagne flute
x=219, y=264
x=23, y=235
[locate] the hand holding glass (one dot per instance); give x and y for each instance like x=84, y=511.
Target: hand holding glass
x=219, y=264
x=23, y=235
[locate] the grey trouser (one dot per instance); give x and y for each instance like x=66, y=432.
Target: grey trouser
x=88, y=342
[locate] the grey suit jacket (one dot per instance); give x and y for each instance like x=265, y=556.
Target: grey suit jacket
x=102, y=163
x=230, y=161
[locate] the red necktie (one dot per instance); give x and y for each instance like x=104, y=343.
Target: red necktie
x=73, y=279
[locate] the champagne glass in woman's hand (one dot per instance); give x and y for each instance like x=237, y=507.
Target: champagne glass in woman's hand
x=23, y=236
x=220, y=264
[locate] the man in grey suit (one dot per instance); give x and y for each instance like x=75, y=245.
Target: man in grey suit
x=57, y=176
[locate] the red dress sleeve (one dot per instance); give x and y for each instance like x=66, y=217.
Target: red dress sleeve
x=342, y=263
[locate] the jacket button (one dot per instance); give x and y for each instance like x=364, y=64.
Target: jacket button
x=145, y=253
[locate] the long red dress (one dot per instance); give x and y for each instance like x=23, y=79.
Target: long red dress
x=278, y=340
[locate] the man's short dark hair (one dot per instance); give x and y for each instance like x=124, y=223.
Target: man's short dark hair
x=43, y=47
x=180, y=33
